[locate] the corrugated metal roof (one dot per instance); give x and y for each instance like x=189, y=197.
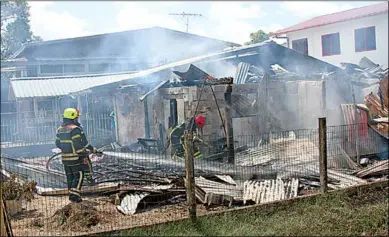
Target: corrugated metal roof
x=337, y=17
x=46, y=87
x=55, y=86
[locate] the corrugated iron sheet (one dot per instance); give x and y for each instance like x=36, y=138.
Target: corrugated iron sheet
x=209, y=186
x=130, y=203
x=51, y=86
x=192, y=74
x=349, y=118
x=269, y=190
x=241, y=73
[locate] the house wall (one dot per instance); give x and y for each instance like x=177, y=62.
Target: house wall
x=129, y=117
x=270, y=106
x=347, y=40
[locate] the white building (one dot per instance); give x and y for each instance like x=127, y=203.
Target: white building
x=344, y=36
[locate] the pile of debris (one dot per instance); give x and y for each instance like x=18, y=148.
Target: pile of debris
x=366, y=69
x=378, y=108
x=76, y=217
x=195, y=76
x=376, y=169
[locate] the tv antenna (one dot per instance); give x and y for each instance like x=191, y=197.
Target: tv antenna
x=187, y=15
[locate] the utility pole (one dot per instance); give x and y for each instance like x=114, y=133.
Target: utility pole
x=187, y=15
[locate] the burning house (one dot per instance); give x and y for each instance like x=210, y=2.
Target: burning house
x=48, y=75
x=250, y=96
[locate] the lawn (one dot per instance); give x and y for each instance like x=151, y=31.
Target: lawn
x=337, y=214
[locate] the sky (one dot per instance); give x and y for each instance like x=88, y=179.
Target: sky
x=229, y=21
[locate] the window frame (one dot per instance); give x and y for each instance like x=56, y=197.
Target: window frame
x=307, y=50
x=322, y=45
x=106, y=69
x=69, y=65
x=51, y=73
x=365, y=42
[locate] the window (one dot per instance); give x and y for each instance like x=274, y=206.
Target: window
x=45, y=105
x=131, y=67
x=32, y=71
x=365, y=39
x=98, y=67
x=74, y=68
x=54, y=69
x=330, y=44
x=300, y=45
x=116, y=67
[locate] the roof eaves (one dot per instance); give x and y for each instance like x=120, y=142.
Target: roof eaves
x=284, y=31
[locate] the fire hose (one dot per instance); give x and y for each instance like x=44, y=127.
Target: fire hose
x=100, y=151
x=58, y=154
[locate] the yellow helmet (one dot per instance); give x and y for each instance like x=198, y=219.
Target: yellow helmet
x=70, y=113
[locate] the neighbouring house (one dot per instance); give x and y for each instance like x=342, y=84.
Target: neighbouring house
x=127, y=51
x=132, y=50
x=345, y=36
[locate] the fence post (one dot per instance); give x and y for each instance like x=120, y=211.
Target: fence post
x=323, y=154
x=189, y=168
x=229, y=126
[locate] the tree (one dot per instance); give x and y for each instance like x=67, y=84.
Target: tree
x=258, y=37
x=15, y=27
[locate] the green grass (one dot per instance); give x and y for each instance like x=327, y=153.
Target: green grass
x=358, y=213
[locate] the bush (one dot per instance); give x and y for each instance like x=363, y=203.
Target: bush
x=16, y=189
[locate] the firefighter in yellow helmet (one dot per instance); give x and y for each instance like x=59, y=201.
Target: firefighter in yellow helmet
x=71, y=139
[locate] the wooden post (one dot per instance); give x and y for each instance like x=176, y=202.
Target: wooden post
x=323, y=154
x=147, y=124
x=5, y=224
x=3, y=231
x=115, y=109
x=190, y=182
x=356, y=116
x=229, y=127
x=36, y=111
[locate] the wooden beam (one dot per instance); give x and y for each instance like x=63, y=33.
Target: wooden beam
x=147, y=124
x=229, y=127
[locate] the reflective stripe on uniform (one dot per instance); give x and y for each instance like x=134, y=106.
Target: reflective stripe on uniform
x=81, y=178
x=80, y=150
x=69, y=142
x=76, y=136
x=70, y=158
x=197, y=154
x=74, y=192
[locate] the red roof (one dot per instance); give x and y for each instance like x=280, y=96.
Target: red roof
x=338, y=17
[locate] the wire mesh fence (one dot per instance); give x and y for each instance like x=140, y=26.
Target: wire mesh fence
x=26, y=128
x=141, y=184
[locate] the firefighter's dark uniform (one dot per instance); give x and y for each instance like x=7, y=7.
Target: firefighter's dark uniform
x=72, y=141
x=177, y=141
